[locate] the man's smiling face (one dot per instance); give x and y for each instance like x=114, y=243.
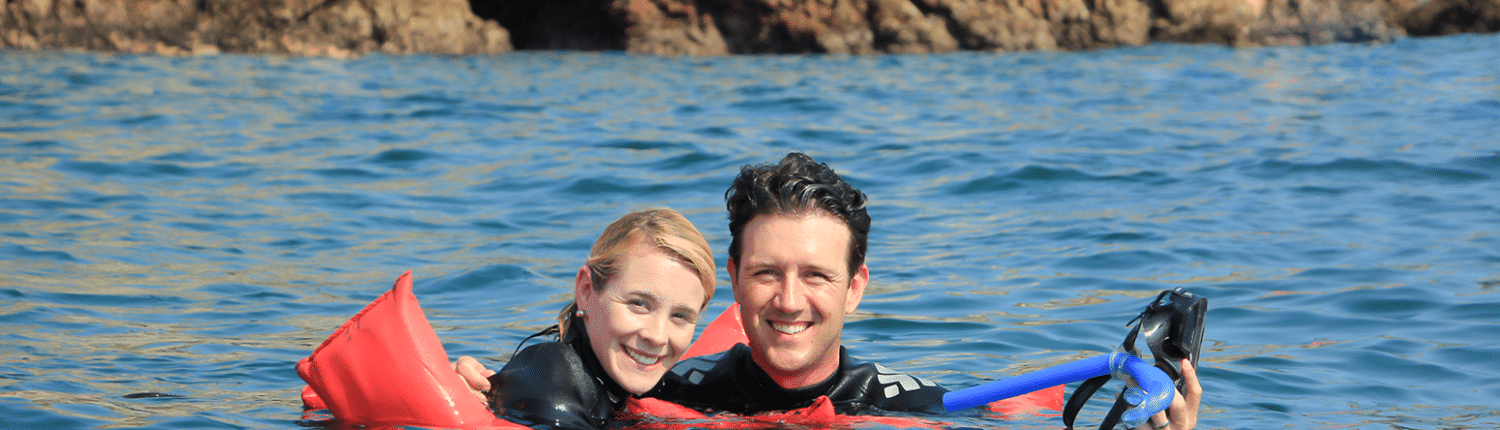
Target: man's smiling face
x=794, y=289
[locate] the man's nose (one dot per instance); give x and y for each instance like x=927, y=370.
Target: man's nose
x=791, y=296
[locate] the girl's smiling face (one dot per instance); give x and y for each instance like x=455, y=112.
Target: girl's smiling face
x=643, y=319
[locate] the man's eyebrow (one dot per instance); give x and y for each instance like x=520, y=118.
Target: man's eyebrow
x=834, y=271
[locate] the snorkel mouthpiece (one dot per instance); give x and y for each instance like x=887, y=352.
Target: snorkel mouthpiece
x=1152, y=396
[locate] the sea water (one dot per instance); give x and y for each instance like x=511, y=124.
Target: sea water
x=196, y=225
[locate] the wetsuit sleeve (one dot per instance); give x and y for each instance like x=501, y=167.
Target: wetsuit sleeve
x=546, y=386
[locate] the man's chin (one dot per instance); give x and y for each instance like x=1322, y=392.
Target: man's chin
x=785, y=363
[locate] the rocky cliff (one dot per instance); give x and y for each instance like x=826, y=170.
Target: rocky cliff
x=299, y=27
x=714, y=27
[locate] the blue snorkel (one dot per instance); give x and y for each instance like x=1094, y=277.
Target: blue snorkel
x=1153, y=396
x=1173, y=328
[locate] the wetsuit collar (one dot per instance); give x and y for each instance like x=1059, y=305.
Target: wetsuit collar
x=578, y=338
x=772, y=396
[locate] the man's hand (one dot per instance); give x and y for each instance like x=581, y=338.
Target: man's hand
x=478, y=378
x=1183, y=413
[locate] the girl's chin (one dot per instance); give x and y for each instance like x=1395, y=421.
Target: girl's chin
x=639, y=384
x=632, y=375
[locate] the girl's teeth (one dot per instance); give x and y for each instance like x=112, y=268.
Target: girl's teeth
x=641, y=358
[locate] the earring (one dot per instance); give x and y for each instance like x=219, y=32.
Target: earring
x=579, y=313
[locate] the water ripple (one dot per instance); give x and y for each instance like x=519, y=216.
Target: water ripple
x=196, y=225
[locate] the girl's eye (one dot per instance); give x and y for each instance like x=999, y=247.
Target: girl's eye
x=636, y=304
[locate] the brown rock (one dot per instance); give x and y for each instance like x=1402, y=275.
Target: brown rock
x=900, y=27
x=435, y=26
x=1206, y=21
x=1443, y=17
x=1121, y=22
x=344, y=28
x=1069, y=21
x=793, y=26
x=668, y=27
x=299, y=27
x=1304, y=22
x=1001, y=25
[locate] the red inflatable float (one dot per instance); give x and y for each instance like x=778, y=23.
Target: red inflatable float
x=385, y=366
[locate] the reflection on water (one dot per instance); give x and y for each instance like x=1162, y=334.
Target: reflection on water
x=196, y=225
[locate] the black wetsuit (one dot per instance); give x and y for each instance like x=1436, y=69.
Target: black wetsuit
x=731, y=382
x=557, y=385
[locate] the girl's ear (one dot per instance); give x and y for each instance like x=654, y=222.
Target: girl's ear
x=583, y=288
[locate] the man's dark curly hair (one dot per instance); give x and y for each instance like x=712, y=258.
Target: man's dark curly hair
x=797, y=186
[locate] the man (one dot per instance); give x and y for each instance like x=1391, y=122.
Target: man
x=796, y=264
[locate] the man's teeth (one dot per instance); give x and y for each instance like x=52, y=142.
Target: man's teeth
x=789, y=328
x=646, y=360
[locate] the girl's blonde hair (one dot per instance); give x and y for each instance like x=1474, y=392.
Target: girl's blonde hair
x=650, y=226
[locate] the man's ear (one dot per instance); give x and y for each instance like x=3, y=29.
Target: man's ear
x=857, y=285
x=734, y=277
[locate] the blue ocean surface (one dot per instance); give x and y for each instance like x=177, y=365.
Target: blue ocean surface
x=196, y=225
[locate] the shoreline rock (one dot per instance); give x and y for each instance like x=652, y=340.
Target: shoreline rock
x=345, y=28
x=337, y=28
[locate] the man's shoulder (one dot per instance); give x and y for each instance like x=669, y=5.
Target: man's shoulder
x=882, y=388
x=891, y=382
